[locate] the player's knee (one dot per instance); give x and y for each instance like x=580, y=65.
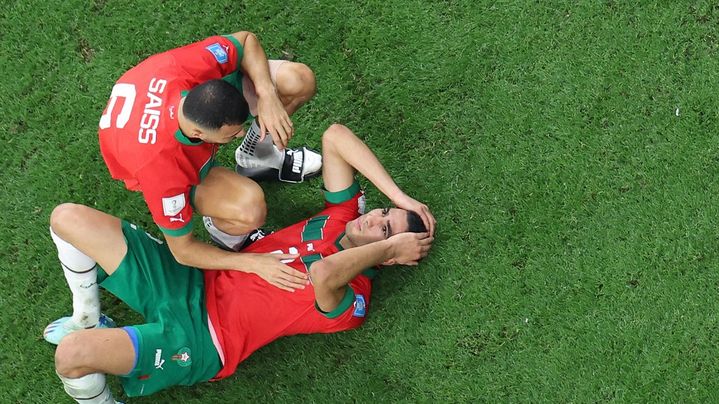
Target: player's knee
x=69, y=357
x=331, y=135
x=252, y=210
x=296, y=81
x=65, y=217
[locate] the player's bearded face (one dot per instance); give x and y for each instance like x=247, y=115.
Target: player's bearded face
x=376, y=225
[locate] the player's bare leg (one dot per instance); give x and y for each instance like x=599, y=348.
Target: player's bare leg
x=84, y=237
x=232, y=206
x=84, y=357
x=295, y=83
x=261, y=160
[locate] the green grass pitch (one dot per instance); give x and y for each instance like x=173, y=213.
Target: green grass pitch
x=569, y=150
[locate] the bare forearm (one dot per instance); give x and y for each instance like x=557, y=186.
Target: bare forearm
x=254, y=64
x=345, y=265
x=351, y=149
x=198, y=254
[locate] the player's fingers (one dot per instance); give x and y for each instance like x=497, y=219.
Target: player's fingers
x=281, y=286
x=293, y=282
x=282, y=134
x=263, y=129
x=281, y=257
x=290, y=285
x=293, y=273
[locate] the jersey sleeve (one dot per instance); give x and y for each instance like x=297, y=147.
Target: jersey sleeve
x=351, y=199
x=212, y=58
x=169, y=202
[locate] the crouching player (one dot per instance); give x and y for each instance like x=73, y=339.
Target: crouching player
x=201, y=324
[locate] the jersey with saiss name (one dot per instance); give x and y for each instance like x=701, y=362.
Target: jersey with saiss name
x=247, y=313
x=140, y=138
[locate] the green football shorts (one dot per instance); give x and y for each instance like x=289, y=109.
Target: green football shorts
x=174, y=346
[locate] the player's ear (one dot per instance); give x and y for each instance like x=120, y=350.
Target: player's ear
x=196, y=133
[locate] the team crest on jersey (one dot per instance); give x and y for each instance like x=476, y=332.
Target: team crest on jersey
x=183, y=357
x=173, y=205
x=360, y=307
x=218, y=52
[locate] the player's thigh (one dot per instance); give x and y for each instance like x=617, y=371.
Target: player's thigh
x=224, y=194
x=95, y=350
x=171, y=351
x=97, y=234
x=295, y=83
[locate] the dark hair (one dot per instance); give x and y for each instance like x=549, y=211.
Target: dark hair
x=415, y=223
x=215, y=103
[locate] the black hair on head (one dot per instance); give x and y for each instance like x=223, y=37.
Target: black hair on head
x=415, y=223
x=215, y=103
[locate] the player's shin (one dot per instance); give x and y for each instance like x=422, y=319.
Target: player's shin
x=81, y=275
x=88, y=389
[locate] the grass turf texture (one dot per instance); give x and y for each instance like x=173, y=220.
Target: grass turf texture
x=569, y=153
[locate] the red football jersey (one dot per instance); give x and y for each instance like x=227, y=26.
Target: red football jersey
x=140, y=138
x=247, y=313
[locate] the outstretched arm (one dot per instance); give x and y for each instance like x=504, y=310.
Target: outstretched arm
x=192, y=252
x=343, y=153
x=271, y=114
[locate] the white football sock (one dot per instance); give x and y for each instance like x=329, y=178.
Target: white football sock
x=255, y=154
x=81, y=275
x=89, y=389
x=219, y=236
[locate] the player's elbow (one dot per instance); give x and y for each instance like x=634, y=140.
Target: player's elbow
x=181, y=248
x=323, y=276
x=242, y=36
x=319, y=274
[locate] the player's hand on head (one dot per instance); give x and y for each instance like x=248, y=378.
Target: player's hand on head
x=273, y=118
x=409, y=203
x=409, y=248
x=270, y=268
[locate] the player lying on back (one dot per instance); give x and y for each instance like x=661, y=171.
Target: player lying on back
x=201, y=324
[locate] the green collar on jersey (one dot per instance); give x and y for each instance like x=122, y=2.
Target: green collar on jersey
x=181, y=136
x=337, y=242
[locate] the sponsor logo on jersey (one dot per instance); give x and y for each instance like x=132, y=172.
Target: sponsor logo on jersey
x=183, y=357
x=173, y=205
x=218, y=52
x=171, y=110
x=177, y=219
x=360, y=307
x=158, y=359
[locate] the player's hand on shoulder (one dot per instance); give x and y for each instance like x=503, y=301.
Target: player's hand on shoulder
x=409, y=248
x=270, y=268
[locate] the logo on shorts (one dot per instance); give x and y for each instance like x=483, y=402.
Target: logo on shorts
x=183, y=357
x=360, y=307
x=218, y=52
x=158, y=359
